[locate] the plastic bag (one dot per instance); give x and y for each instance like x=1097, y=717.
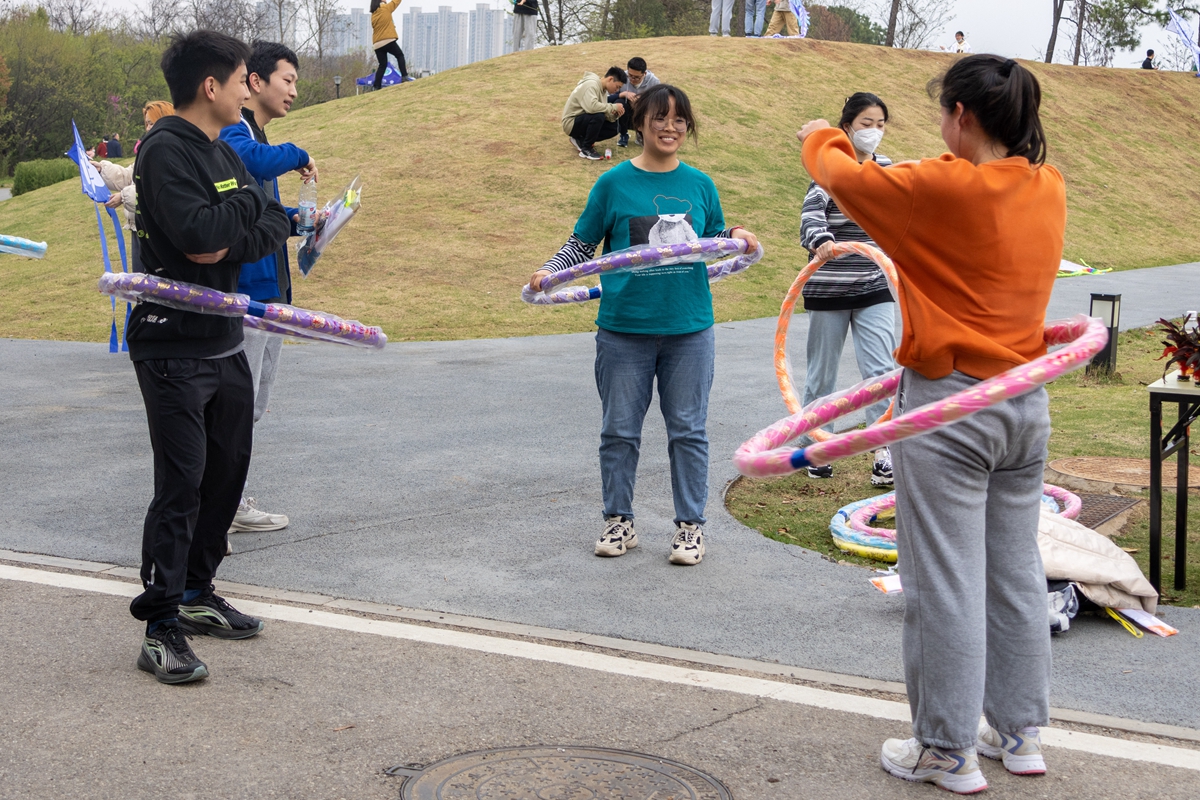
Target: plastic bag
x=330, y=221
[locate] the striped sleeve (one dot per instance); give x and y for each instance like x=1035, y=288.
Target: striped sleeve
x=814, y=224
x=575, y=251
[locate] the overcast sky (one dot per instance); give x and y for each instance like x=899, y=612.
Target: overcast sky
x=1018, y=28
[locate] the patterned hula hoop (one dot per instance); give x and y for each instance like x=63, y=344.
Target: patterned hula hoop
x=637, y=258
x=853, y=533
x=270, y=317
x=765, y=454
x=17, y=246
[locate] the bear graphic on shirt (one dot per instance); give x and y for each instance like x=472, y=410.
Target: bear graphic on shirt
x=672, y=224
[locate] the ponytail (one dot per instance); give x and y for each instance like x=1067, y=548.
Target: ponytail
x=1004, y=98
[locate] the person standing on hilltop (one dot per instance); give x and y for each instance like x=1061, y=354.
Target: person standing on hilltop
x=782, y=19
x=960, y=46
x=383, y=40
x=524, y=25
x=718, y=21
x=1149, y=62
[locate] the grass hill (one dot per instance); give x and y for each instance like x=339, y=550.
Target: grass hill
x=470, y=183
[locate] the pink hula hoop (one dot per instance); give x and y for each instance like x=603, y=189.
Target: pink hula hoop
x=765, y=455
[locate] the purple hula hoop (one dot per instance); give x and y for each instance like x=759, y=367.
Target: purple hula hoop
x=270, y=317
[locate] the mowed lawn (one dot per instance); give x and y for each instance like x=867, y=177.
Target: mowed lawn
x=470, y=183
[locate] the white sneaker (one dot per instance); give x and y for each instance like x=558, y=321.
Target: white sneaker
x=250, y=520
x=881, y=471
x=1020, y=752
x=618, y=537
x=687, y=547
x=954, y=770
x=574, y=141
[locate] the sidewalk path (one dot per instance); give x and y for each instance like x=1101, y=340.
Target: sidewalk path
x=463, y=477
x=319, y=708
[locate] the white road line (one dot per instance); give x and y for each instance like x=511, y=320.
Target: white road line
x=615, y=665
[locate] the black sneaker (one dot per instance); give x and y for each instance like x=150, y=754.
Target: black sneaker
x=590, y=154
x=881, y=471
x=211, y=615
x=821, y=472
x=167, y=654
x=623, y=141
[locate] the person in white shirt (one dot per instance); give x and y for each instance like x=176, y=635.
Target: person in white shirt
x=960, y=44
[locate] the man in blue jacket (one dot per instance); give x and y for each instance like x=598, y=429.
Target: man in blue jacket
x=271, y=77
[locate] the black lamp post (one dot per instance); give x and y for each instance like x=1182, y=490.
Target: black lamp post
x=337, y=85
x=1106, y=308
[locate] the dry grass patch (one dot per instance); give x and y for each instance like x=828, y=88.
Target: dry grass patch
x=470, y=183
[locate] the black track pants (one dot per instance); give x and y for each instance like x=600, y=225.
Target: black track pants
x=201, y=417
x=381, y=55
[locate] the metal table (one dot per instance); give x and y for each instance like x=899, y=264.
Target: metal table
x=1170, y=390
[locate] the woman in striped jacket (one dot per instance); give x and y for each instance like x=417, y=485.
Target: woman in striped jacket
x=848, y=293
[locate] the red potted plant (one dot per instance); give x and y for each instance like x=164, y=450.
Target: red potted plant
x=1182, y=348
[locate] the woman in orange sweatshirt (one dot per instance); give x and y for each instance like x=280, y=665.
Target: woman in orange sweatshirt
x=976, y=236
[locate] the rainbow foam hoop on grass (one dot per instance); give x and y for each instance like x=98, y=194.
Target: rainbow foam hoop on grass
x=766, y=453
x=270, y=317
x=853, y=531
x=633, y=259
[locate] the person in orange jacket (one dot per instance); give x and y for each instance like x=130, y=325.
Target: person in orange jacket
x=977, y=238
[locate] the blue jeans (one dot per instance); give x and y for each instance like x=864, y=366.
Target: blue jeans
x=756, y=15
x=874, y=329
x=626, y=367
x=718, y=21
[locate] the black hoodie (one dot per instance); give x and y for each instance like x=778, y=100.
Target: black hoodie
x=195, y=196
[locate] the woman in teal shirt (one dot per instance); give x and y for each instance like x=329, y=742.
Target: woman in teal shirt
x=653, y=323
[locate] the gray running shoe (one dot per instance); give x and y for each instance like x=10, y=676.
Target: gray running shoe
x=168, y=656
x=1020, y=752
x=249, y=519
x=211, y=615
x=954, y=770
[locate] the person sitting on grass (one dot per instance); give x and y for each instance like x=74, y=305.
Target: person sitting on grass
x=638, y=80
x=589, y=116
x=655, y=325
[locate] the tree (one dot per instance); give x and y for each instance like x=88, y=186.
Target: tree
x=893, y=17
x=156, y=20
x=919, y=21
x=1057, y=11
x=73, y=16
x=843, y=24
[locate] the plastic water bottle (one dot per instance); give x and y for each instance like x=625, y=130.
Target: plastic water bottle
x=308, y=208
x=608, y=154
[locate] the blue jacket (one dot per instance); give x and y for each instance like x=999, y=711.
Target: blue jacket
x=265, y=162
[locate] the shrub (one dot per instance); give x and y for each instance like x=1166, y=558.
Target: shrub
x=30, y=175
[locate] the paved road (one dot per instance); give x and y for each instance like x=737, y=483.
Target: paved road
x=304, y=711
x=462, y=476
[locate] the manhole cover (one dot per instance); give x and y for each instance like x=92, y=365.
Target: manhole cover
x=1100, y=508
x=558, y=773
x=1128, y=471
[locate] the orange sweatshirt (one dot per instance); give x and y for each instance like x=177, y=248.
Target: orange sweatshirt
x=977, y=249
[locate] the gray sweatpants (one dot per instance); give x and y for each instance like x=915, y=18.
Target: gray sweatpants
x=262, y=352
x=976, y=635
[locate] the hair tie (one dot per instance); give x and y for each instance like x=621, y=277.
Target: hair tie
x=1007, y=67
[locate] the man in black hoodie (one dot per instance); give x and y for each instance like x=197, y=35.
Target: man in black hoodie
x=199, y=217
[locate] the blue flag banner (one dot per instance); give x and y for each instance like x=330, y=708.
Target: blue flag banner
x=801, y=16
x=94, y=188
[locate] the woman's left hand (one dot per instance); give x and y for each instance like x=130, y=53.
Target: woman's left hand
x=750, y=238
x=811, y=128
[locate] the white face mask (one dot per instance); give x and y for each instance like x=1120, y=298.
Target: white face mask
x=867, y=139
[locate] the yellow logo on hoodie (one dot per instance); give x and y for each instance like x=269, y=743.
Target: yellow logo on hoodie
x=227, y=186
